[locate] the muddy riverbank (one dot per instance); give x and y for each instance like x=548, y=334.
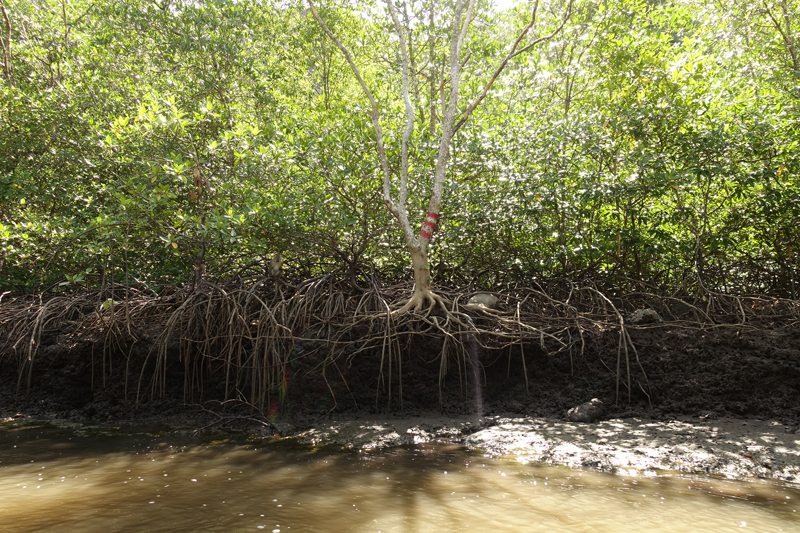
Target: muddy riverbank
x=715, y=398
x=726, y=448
x=731, y=448
x=679, y=370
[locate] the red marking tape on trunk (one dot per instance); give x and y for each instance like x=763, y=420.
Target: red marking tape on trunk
x=429, y=225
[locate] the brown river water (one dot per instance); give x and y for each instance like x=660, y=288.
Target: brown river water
x=72, y=480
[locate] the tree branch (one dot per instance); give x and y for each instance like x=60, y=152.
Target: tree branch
x=787, y=36
x=512, y=54
x=6, y=40
x=459, y=33
x=409, y=109
x=401, y=216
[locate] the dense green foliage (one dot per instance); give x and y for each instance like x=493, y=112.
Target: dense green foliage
x=652, y=143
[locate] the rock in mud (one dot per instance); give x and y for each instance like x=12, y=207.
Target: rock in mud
x=644, y=316
x=484, y=299
x=590, y=411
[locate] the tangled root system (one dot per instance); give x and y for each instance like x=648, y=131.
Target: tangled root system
x=250, y=337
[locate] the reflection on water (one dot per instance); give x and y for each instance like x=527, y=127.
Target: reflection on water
x=57, y=480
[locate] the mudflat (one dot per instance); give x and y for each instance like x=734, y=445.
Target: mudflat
x=732, y=448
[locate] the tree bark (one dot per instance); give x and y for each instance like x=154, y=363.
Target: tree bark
x=422, y=272
x=6, y=42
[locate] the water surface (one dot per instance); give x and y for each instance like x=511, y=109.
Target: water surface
x=59, y=479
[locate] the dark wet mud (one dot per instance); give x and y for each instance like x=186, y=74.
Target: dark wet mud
x=722, y=371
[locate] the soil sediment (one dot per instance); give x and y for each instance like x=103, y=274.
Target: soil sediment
x=713, y=372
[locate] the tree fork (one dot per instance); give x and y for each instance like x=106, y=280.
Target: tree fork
x=463, y=13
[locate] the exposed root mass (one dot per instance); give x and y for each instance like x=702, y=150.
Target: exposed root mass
x=251, y=340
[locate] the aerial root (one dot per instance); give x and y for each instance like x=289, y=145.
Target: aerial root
x=416, y=303
x=251, y=334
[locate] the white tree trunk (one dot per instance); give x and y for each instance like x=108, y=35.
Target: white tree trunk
x=418, y=242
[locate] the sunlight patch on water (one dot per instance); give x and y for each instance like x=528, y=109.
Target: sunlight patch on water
x=60, y=482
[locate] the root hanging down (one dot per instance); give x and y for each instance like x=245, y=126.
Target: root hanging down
x=254, y=341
